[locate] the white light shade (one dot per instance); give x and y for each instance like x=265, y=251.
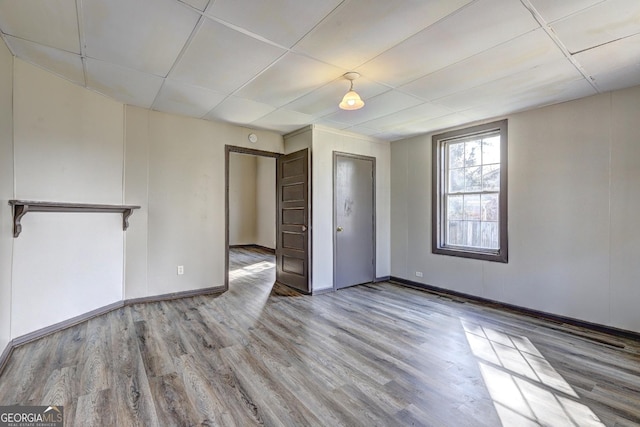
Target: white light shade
x=351, y=101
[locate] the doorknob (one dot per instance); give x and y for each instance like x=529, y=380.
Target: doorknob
x=339, y=229
x=304, y=228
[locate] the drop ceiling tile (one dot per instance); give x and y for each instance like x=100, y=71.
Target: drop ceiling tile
x=543, y=95
x=602, y=23
x=180, y=98
x=611, y=56
x=552, y=10
x=520, y=54
x=480, y=26
x=362, y=130
x=52, y=23
x=379, y=106
x=223, y=59
x=330, y=124
x=325, y=99
x=291, y=77
x=358, y=30
x=431, y=125
x=549, y=76
x=281, y=21
x=65, y=64
x=144, y=35
x=198, y=4
x=618, y=79
x=420, y=112
x=122, y=84
x=239, y=110
x=283, y=121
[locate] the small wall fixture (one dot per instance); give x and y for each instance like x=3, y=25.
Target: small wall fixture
x=351, y=100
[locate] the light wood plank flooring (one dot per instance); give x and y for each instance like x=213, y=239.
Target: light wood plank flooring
x=369, y=355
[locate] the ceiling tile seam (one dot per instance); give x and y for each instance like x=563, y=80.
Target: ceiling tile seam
x=604, y=44
x=245, y=32
x=238, y=89
x=6, y=43
x=38, y=43
x=186, y=45
x=554, y=37
x=318, y=23
x=81, y=40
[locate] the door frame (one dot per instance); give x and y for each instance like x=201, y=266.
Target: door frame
x=228, y=149
x=337, y=154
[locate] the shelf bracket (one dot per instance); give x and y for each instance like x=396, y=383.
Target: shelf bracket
x=18, y=212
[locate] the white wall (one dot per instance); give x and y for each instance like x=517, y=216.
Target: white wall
x=68, y=147
x=573, y=239
x=136, y=192
x=6, y=191
x=73, y=145
x=186, y=199
x=266, y=202
x=325, y=142
x=242, y=199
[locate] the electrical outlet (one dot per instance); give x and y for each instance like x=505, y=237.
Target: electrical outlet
x=418, y=273
x=180, y=270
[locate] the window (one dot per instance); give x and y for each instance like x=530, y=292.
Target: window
x=470, y=192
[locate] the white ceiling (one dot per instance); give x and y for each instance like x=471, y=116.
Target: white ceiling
x=278, y=64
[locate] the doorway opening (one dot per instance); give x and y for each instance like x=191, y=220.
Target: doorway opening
x=250, y=211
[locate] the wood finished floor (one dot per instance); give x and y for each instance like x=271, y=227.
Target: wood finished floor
x=369, y=355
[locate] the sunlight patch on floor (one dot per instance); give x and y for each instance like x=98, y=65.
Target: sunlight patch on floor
x=250, y=269
x=526, y=390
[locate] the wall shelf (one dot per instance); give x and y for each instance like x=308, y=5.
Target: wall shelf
x=22, y=207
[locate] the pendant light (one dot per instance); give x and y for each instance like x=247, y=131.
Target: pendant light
x=351, y=100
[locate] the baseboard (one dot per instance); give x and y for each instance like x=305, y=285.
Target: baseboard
x=253, y=246
x=51, y=329
x=4, y=357
x=596, y=327
x=382, y=279
x=175, y=295
x=41, y=333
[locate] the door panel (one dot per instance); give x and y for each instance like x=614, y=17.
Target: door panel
x=354, y=220
x=292, y=246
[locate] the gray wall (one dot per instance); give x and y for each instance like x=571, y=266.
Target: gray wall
x=252, y=197
x=573, y=209
x=242, y=199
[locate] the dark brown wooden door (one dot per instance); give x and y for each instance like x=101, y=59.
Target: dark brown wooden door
x=292, y=234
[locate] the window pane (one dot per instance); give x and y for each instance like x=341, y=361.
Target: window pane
x=456, y=233
x=472, y=154
x=473, y=179
x=491, y=150
x=474, y=234
x=472, y=207
x=454, y=207
x=490, y=235
x=489, y=204
x=491, y=178
x=456, y=155
x=456, y=180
